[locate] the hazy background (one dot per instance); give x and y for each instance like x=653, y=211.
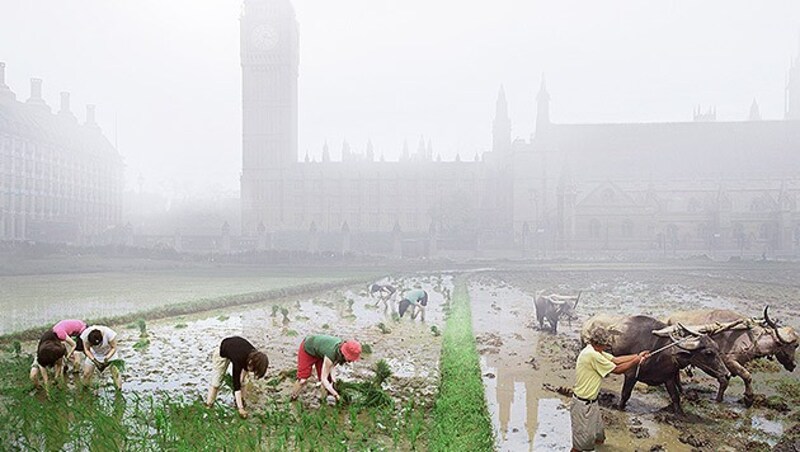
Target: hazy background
x=167, y=81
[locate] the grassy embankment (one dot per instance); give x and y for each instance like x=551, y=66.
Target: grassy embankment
x=460, y=416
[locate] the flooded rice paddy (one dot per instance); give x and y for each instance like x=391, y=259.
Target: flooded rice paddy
x=525, y=369
x=177, y=361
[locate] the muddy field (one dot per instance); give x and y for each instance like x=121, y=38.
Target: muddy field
x=524, y=368
x=175, y=362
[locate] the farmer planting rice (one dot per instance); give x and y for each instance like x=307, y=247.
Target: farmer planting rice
x=323, y=353
x=50, y=354
x=69, y=332
x=417, y=300
x=100, y=345
x=245, y=358
x=594, y=364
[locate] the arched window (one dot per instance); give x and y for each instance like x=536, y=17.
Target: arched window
x=627, y=228
x=594, y=228
x=608, y=195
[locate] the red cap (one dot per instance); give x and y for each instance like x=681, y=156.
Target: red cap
x=351, y=350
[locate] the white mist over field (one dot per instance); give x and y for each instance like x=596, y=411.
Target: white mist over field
x=166, y=76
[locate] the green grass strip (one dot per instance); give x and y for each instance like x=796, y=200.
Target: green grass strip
x=461, y=419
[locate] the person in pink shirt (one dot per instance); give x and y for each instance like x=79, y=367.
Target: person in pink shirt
x=69, y=332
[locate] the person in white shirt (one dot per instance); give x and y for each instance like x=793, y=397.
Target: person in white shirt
x=100, y=346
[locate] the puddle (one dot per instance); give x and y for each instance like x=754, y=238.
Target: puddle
x=772, y=430
x=554, y=432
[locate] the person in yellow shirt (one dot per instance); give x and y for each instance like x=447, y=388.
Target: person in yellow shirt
x=594, y=364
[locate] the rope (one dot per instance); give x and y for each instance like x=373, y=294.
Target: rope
x=638, y=365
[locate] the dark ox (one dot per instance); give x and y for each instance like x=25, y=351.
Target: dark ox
x=554, y=307
x=631, y=335
x=738, y=346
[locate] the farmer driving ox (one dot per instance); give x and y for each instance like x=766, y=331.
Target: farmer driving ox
x=553, y=307
x=673, y=348
x=594, y=364
x=740, y=340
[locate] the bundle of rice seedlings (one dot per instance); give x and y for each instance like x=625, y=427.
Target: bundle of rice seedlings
x=366, y=393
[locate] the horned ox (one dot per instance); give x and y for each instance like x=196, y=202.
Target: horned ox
x=743, y=341
x=553, y=307
x=681, y=347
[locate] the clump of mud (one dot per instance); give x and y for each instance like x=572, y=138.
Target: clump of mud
x=773, y=403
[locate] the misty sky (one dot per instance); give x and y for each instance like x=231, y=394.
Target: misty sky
x=168, y=73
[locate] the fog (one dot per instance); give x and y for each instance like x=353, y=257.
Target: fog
x=166, y=76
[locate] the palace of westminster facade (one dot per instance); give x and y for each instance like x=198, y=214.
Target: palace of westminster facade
x=703, y=186
x=700, y=186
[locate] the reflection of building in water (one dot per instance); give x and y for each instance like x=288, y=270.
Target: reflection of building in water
x=701, y=186
x=59, y=180
x=516, y=408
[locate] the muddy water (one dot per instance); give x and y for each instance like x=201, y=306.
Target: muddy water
x=177, y=360
x=519, y=362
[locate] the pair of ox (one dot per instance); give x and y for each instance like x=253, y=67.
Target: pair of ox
x=723, y=343
x=741, y=340
x=554, y=307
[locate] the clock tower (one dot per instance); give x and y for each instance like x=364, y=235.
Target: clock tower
x=269, y=55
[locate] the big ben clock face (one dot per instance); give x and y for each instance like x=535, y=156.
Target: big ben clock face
x=264, y=37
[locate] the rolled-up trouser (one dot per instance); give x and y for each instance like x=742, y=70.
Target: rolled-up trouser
x=587, y=424
x=219, y=366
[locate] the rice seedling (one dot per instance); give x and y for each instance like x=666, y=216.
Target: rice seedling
x=325, y=326
x=142, y=325
x=275, y=309
x=435, y=330
x=141, y=344
x=290, y=333
x=366, y=348
x=367, y=393
x=223, y=318
x=180, y=326
x=285, y=314
x=395, y=316
x=384, y=329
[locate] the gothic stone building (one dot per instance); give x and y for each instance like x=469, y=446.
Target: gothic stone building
x=60, y=181
x=659, y=188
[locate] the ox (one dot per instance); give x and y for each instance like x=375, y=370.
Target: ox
x=741, y=340
x=673, y=349
x=553, y=307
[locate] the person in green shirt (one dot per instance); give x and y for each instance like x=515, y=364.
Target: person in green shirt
x=417, y=300
x=323, y=352
x=594, y=364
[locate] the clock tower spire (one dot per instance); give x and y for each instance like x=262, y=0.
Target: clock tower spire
x=270, y=59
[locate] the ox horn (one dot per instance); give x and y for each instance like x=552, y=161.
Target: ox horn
x=577, y=299
x=767, y=319
x=774, y=326
x=689, y=330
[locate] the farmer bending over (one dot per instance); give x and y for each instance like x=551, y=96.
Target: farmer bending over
x=245, y=358
x=69, y=333
x=99, y=345
x=49, y=354
x=324, y=353
x=416, y=299
x=592, y=366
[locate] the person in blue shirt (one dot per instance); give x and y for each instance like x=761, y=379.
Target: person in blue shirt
x=416, y=300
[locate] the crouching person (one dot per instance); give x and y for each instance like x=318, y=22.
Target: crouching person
x=50, y=354
x=69, y=333
x=245, y=358
x=100, y=346
x=323, y=353
x=417, y=300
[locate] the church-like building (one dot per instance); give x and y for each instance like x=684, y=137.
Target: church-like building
x=704, y=186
